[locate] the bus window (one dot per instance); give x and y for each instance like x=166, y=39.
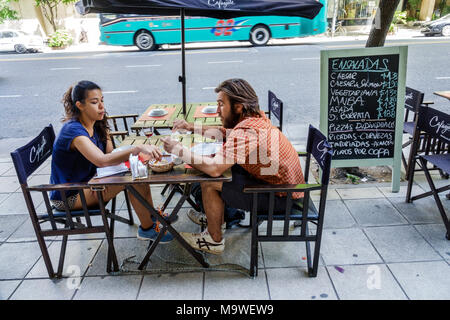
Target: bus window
x=147, y=32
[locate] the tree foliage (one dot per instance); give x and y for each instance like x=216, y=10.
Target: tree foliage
x=50, y=10
x=382, y=22
x=6, y=13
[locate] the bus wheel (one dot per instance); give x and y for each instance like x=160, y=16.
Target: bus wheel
x=260, y=35
x=144, y=41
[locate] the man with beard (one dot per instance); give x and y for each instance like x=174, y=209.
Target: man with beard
x=255, y=150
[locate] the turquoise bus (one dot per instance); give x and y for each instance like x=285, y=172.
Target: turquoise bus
x=149, y=32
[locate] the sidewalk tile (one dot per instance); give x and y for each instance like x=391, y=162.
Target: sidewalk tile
x=175, y=286
x=435, y=235
x=347, y=246
x=5, y=166
x=402, y=192
x=337, y=215
x=8, y=224
x=229, y=286
x=78, y=256
x=37, y=179
x=125, y=248
x=423, y=280
x=377, y=212
x=360, y=193
x=285, y=254
x=9, y=184
x=3, y=196
x=7, y=287
x=45, y=289
x=295, y=284
x=420, y=211
x=365, y=282
x=15, y=204
x=421, y=180
x=26, y=232
x=401, y=244
x=109, y=288
x=331, y=195
x=16, y=259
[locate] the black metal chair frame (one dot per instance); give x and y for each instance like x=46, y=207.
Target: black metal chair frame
x=39, y=150
x=318, y=148
x=437, y=152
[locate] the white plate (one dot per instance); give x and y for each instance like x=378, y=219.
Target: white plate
x=206, y=149
x=157, y=112
x=210, y=109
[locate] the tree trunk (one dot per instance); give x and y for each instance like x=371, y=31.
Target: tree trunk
x=382, y=21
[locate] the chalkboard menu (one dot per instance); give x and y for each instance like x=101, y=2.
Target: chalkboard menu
x=362, y=103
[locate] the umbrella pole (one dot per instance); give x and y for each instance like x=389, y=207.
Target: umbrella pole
x=182, y=79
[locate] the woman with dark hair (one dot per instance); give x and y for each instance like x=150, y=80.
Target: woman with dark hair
x=83, y=145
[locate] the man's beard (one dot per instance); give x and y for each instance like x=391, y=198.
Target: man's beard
x=232, y=120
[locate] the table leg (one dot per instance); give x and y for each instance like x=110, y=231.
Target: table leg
x=167, y=225
x=111, y=251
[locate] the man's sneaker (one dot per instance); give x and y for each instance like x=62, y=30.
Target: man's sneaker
x=203, y=241
x=153, y=233
x=200, y=219
x=197, y=217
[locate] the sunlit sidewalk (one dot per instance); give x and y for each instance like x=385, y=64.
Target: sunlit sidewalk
x=375, y=246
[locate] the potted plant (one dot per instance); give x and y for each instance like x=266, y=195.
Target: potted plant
x=60, y=39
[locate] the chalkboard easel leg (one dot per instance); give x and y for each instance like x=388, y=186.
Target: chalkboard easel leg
x=396, y=173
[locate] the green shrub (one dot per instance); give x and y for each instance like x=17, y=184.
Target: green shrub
x=60, y=38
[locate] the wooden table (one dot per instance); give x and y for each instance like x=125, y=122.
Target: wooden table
x=190, y=109
x=444, y=94
x=187, y=140
x=179, y=175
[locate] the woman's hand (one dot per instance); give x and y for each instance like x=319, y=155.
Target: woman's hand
x=172, y=146
x=181, y=125
x=153, y=151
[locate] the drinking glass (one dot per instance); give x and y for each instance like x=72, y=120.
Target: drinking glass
x=148, y=132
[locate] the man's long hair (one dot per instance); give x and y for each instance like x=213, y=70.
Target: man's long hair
x=240, y=91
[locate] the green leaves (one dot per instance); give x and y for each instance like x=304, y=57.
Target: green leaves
x=6, y=13
x=60, y=38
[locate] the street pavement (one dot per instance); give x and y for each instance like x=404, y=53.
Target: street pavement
x=374, y=246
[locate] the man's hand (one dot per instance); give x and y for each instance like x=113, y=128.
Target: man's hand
x=181, y=125
x=172, y=146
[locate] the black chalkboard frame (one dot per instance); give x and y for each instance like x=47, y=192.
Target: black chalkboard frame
x=395, y=160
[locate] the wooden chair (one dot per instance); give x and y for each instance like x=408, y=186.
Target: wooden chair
x=28, y=159
x=120, y=132
x=436, y=126
x=318, y=148
x=275, y=107
x=413, y=101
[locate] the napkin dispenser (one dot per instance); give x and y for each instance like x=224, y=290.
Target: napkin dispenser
x=138, y=169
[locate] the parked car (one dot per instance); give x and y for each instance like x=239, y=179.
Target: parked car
x=19, y=41
x=440, y=26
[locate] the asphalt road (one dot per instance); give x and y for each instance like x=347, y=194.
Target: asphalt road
x=32, y=85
